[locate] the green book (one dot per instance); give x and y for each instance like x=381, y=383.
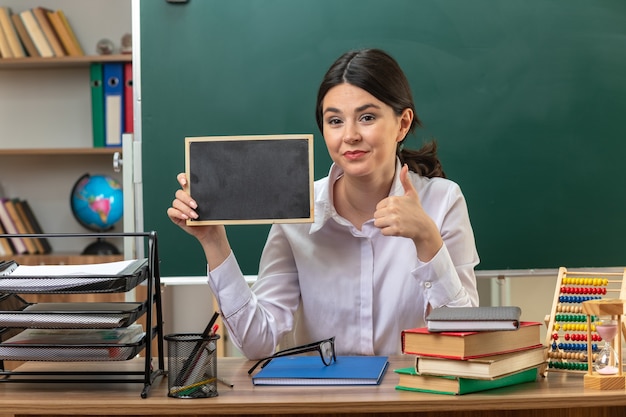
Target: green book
x=97, y=104
x=453, y=385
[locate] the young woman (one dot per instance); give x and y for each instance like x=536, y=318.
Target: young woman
x=391, y=238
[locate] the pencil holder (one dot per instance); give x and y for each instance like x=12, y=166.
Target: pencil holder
x=192, y=365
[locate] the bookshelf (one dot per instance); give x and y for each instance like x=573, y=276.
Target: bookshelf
x=45, y=121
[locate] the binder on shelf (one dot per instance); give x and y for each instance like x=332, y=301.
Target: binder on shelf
x=36, y=34
x=11, y=33
x=97, y=104
x=113, y=77
x=41, y=14
x=128, y=97
x=31, y=49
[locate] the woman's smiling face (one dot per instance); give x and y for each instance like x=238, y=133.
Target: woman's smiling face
x=361, y=132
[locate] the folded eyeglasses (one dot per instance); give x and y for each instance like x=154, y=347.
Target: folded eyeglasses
x=326, y=349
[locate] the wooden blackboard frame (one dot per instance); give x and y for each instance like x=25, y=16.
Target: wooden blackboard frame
x=252, y=179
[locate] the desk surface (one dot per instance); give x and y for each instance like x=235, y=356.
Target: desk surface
x=556, y=391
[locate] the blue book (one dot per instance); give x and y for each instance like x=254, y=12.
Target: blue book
x=113, y=79
x=309, y=370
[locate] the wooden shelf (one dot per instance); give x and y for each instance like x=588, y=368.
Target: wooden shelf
x=62, y=259
x=62, y=151
x=60, y=62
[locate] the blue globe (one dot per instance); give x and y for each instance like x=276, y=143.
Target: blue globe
x=97, y=202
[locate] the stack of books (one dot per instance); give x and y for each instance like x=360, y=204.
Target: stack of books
x=463, y=360
x=37, y=32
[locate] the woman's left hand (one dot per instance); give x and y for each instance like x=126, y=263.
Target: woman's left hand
x=404, y=216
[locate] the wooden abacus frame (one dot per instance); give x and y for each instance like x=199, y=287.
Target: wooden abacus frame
x=615, y=283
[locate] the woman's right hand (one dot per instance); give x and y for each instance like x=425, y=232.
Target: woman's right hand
x=212, y=237
x=183, y=208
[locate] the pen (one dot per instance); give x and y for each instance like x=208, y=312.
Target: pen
x=189, y=362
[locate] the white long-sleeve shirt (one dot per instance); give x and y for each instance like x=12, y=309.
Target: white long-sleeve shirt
x=357, y=285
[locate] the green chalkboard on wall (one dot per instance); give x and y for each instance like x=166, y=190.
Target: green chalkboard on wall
x=527, y=101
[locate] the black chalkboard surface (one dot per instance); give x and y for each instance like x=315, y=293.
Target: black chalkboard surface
x=526, y=99
x=251, y=179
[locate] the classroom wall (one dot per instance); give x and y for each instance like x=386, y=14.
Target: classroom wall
x=51, y=108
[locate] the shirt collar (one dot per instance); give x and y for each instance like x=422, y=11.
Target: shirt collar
x=324, y=207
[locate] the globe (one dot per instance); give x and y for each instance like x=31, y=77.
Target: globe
x=97, y=203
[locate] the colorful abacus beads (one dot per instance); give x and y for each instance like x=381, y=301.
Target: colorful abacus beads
x=572, y=366
x=597, y=282
x=577, y=318
x=583, y=290
x=577, y=298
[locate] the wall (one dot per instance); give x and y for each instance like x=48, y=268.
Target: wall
x=49, y=108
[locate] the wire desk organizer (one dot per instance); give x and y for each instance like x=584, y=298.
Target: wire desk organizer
x=566, y=337
x=100, y=319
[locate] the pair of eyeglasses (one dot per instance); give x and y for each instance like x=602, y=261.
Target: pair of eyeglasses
x=326, y=349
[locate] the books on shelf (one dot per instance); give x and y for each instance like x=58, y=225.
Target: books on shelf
x=10, y=32
x=41, y=15
x=5, y=48
x=486, y=367
x=459, y=319
x=310, y=370
x=36, y=34
x=25, y=38
x=16, y=216
x=410, y=380
x=17, y=244
x=65, y=33
x=463, y=345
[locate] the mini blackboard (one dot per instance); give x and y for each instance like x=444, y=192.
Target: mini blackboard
x=251, y=179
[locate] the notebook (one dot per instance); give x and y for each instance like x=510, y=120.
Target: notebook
x=310, y=370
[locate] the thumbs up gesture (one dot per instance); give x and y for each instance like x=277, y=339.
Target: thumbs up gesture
x=404, y=216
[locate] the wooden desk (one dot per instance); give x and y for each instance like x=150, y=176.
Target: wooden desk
x=558, y=395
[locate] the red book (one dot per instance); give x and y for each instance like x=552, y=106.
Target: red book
x=128, y=97
x=465, y=345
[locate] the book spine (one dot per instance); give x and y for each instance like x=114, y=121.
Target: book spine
x=64, y=36
x=41, y=14
x=5, y=48
x=71, y=32
x=31, y=49
x=19, y=247
x=36, y=34
x=11, y=33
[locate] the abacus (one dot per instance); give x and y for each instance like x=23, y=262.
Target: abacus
x=567, y=337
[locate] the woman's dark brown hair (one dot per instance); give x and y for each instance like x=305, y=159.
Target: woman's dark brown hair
x=379, y=74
